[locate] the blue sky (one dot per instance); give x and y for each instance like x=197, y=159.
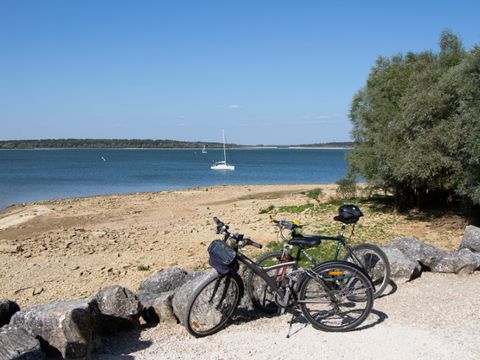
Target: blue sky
x=268, y=72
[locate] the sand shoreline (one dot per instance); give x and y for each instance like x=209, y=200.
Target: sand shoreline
x=69, y=248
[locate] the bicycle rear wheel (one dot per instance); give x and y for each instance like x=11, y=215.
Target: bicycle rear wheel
x=212, y=304
x=337, y=296
x=262, y=295
x=374, y=261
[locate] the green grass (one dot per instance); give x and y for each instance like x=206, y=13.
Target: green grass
x=267, y=210
x=295, y=209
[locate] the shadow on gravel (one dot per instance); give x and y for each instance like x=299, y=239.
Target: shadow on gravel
x=390, y=289
x=119, y=346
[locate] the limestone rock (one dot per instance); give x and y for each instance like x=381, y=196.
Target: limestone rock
x=402, y=267
x=67, y=326
x=157, y=307
x=463, y=261
x=119, y=308
x=183, y=294
x=7, y=309
x=417, y=250
x=16, y=343
x=164, y=280
x=471, y=239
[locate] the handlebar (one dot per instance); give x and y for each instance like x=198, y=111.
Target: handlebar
x=290, y=225
x=222, y=228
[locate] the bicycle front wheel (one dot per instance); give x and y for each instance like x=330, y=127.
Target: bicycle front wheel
x=212, y=304
x=374, y=261
x=336, y=296
x=261, y=294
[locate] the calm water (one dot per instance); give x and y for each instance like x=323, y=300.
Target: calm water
x=31, y=175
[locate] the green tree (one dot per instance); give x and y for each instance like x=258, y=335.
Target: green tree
x=415, y=123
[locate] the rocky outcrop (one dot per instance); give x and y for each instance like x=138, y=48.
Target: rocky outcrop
x=17, y=344
x=417, y=250
x=183, y=294
x=7, y=309
x=66, y=326
x=471, y=239
x=402, y=268
x=164, y=280
x=157, y=307
x=119, y=308
x=459, y=262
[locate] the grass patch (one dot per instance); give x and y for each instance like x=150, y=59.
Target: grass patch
x=267, y=210
x=295, y=209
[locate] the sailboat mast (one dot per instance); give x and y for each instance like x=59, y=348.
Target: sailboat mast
x=224, y=152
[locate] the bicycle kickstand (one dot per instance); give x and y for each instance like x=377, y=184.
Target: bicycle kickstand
x=290, y=324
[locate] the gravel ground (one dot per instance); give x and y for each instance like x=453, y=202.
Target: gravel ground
x=434, y=317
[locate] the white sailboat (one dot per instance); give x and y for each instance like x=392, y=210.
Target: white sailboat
x=204, y=150
x=223, y=165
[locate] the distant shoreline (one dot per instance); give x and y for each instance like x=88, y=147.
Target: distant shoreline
x=185, y=148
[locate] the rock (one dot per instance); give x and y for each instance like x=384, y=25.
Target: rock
x=417, y=250
x=471, y=239
x=16, y=343
x=157, y=307
x=66, y=326
x=119, y=308
x=183, y=294
x=402, y=267
x=463, y=261
x=7, y=309
x=164, y=280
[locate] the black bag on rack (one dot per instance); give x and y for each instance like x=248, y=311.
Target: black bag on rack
x=222, y=257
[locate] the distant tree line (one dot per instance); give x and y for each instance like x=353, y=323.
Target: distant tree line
x=103, y=143
x=416, y=125
x=132, y=143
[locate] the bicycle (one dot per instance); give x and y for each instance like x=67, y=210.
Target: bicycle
x=333, y=296
x=369, y=257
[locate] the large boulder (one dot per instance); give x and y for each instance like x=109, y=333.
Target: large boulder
x=164, y=280
x=7, y=309
x=66, y=326
x=402, y=267
x=184, y=293
x=17, y=344
x=471, y=239
x=119, y=308
x=157, y=307
x=463, y=261
x=417, y=250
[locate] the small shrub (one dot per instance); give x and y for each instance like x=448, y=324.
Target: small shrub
x=143, y=267
x=347, y=187
x=314, y=194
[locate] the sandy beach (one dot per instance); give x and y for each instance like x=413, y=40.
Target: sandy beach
x=66, y=249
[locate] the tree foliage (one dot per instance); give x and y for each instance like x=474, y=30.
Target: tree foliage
x=416, y=124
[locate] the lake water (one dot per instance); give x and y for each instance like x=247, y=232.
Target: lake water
x=32, y=175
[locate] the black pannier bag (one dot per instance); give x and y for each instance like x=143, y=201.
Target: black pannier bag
x=222, y=257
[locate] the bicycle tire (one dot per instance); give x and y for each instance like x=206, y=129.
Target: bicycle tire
x=339, y=285
x=262, y=296
x=375, y=263
x=211, y=305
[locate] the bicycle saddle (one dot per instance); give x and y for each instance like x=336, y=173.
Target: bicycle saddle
x=305, y=241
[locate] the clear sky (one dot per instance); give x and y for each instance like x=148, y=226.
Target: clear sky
x=268, y=72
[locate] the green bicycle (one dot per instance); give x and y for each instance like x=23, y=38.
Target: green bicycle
x=368, y=257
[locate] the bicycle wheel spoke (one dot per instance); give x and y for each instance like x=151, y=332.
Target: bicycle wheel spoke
x=337, y=298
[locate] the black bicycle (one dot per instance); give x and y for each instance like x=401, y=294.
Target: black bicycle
x=333, y=296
